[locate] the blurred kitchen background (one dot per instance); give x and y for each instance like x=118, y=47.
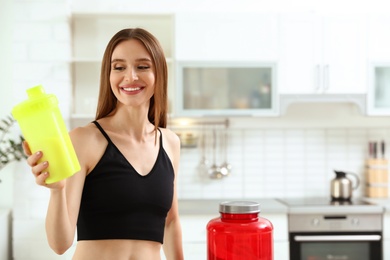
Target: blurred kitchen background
x=322, y=97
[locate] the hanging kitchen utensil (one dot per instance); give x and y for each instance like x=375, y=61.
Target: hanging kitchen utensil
x=225, y=166
x=203, y=165
x=214, y=170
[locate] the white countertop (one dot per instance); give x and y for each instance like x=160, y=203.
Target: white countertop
x=385, y=202
x=321, y=205
x=211, y=206
x=268, y=206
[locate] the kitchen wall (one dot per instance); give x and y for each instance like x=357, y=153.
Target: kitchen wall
x=292, y=155
x=6, y=21
x=41, y=53
x=278, y=158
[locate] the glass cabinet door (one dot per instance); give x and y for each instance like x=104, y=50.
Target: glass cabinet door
x=226, y=89
x=379, y=92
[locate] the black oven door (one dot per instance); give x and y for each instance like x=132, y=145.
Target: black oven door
x=336, y=246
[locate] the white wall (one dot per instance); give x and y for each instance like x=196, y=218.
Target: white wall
x=231, y=5
x=42, y=52
x=6, y=86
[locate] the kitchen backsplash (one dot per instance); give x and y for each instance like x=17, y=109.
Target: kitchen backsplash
x=280, y=162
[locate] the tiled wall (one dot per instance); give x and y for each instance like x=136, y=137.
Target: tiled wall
x=267, y=161
x=280, y=162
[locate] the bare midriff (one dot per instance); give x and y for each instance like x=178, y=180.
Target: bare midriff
x=117, y=249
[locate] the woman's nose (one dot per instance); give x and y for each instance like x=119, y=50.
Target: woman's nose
x=131, y=75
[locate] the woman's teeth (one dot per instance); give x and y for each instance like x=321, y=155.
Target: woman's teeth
x=131, y=89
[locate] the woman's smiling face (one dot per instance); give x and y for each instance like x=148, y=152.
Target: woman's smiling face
x=132, y=75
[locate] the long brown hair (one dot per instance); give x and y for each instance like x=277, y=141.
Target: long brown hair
x=158, y=107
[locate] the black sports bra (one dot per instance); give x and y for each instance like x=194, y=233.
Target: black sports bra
x=119, y=203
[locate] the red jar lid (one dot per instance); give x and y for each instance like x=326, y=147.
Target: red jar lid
x=239, y=207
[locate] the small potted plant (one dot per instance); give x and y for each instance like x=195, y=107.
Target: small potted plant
x=10, y=148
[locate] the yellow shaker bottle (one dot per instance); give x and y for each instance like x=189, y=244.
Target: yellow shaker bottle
x=43, y=127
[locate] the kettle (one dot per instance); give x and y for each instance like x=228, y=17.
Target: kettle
x=341, y=187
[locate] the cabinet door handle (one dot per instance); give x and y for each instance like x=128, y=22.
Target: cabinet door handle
x=326, y=77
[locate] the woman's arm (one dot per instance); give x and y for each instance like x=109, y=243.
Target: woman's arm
x=65, y=196
x=173, y=247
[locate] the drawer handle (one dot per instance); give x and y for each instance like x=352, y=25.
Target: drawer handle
x=339, y=238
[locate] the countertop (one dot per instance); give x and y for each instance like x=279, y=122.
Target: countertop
x=385, y=203
x=211, y=206
x=267, y=206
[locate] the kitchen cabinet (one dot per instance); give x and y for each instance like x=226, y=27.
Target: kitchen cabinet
x=226, y=36
x=5, y=234
x=378, y=38
x=226, y=64
x=226, y=89
x=91, y=33
x=378, y=96
x=386, y=235
x=323, y=54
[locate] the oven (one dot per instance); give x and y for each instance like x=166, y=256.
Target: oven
x=335, y=237
x=335, y=232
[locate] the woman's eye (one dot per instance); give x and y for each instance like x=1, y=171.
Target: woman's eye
x=143, y=67
x=119, y=68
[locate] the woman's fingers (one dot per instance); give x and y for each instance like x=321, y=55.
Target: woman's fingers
x=26, y=148
x=33, y=159
x=39, y=170
x=40, y=173
x=41, y=178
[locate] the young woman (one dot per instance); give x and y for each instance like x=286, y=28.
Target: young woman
x=123, y=201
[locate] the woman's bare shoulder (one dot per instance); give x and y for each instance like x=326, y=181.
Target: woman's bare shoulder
x=171, y=137
x=89, y=144
x=171, y=144
x=86, y=133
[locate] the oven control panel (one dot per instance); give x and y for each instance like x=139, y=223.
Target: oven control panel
x=334, y=222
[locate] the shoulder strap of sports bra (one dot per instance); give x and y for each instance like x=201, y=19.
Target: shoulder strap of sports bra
x=108, y=138
x=161, y=139
x=102, y=131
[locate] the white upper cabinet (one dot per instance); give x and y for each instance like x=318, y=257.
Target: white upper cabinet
x=226, y=36
x=226, y=89
x=322, y=54
x=378, y=97
x=378, y=37
x=226, y=64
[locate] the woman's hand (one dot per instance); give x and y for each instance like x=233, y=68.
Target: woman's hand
x=39, y=169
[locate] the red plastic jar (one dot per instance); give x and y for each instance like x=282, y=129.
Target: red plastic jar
x=239, y=233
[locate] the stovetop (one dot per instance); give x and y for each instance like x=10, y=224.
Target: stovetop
x=323, y=205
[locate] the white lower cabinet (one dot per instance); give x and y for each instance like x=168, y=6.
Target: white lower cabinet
x=281, y=245
x=386, y=249
x=195, y=235
x=386, y=236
